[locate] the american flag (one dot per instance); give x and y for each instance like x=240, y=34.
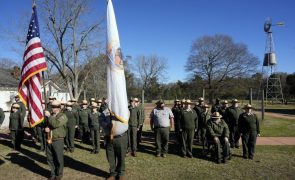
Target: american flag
x=29, y=88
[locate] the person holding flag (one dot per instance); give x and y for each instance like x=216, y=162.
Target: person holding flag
x=114, y=119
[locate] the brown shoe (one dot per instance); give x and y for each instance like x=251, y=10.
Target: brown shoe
x=121, y=178
x=111, y=178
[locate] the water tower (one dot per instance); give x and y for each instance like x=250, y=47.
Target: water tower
x=272, y=85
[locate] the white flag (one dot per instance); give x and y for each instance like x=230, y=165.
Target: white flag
x=116, y=83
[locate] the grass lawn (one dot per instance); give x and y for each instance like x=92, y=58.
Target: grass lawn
x=270, y=162
x=277, y=127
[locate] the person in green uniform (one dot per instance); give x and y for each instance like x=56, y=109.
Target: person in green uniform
x=249, y=129
x=176, y=113
x=116, y=140
x=140, y=106
x=16, y=126
x=2, y=116
x=188, y=125
x=22, y=107
x=222, y=110
x=198, y=108
x=182, y=103
x=50, y=100
x=133, y=127
x=216, y=106
x=57, y=122
x=205, y=117
x=63, y=106
x=72, y=124
x=232, y=114
x=83, y=122
x=94, y=120
x=40, y=131
x=218, y=133
x=103, y=105
x=161, y=121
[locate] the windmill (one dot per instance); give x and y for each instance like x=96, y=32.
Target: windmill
x=272, y=85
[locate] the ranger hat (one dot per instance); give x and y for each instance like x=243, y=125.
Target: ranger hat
x=176, y=100
x=92, y=99
x=69, y=104
x=225, y=102
x=64, y=103
x=234, y=101
x=216, y=115
x=136, y=100
x=99, y=101
x=248, y=106
x=16, y=106
x=94, y=105
x=84, y=102
x=183, y=100
x=131, y=100
x=201, y=99
x=73, y=100
x=188, y=101
x=51, y=98
x=205, y=106
x=55, y=104
x=160, y=102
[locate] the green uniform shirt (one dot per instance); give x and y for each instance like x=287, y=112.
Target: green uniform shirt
x=176, y=113
x=2, y=116
x=188, y=119
x=199, y=111
x=58, y=125
x=222, y=112
x=248, y=123
x=72, y=118
x=215, y=129
x=141, y=116
x=15, y=121
x=134, y=116
x=205, y=117
x=233, y=114
x=94, y=120
x=22, y=109
x=83, y=116
x=102, y=108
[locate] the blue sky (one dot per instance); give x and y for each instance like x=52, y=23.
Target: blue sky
x=168, y=27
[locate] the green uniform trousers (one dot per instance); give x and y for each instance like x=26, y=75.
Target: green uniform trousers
x=41, y=137
x=55, y=157
x=249, y=142
x=116, y=152
x=162, y=139
x=221, y=149
x=234, y=136
x=70, y=137
x=187, y=136
x=203, y=136
x=84, y=133
x=95, y=137
x=139, y=134
x=17, y=138
x=132, y=138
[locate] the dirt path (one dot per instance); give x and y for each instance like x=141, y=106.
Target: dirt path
x=275, y=141
x=278, y=115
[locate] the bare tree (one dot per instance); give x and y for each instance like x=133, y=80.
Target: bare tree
x=150, y=69
x=217, y=58
x=7, y=63
x=71, y=41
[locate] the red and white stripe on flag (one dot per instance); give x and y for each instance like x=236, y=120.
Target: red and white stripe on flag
x=29, y=88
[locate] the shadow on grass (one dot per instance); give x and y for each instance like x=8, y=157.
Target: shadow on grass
x=79, y=146
x=28, y=164
x=281, y=111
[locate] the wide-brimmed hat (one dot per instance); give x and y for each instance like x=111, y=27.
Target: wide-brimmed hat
x=235, y=101
x=55, y=104
x=16, y=106
x=99, y=101
x=176, y=100
x=183, y=100
x=160, y=102
x=205, y=106
x=73, y=100
x=248, y=106
x=201, y=99
x=92, y=99
x=216, y=115
x=94, y=105
x=52, y=98
x=69, y=104
x=188, y=101
x=84, y=102
x=225, y=102
x=64, y=103
x=136, y=100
